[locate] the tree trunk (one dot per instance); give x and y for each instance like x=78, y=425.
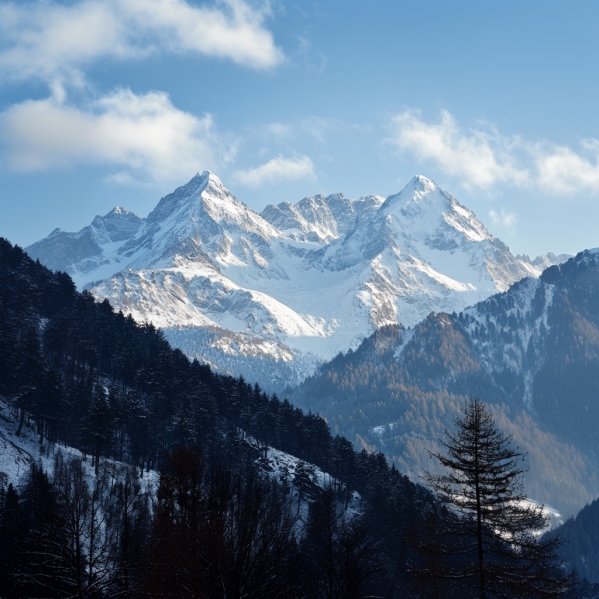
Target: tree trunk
x=21, y=421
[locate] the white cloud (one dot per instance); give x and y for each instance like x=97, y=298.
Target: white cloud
x=144, y=136
x=484, y=158
x=478, y=158
x=310, y=129
x=563, y=171
x=276, y=170
x=278, y=130
x=48, y=40
x=503, y=218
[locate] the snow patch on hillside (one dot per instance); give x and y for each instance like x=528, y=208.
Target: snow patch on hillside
x=18, y=453
x=304, y=481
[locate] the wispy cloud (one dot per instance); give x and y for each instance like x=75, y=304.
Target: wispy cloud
x=48, y=41
x=564, y=171
x=478, y=158
x=483, y=158
x=309, y=129
x=142, y=137
x=276, y=170
x=503, y=218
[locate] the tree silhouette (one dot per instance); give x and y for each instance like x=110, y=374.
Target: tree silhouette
x=488, y=543
x=343, y=555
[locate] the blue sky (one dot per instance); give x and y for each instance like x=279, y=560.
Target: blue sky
x=117, y=102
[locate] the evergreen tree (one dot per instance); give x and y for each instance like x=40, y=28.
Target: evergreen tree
x=30, y=372
x=489, y=538
x=99, y=424
x=7, y=356
x=49, y=405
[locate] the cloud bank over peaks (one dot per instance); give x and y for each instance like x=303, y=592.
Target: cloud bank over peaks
x=483, y=158
x=46, y=40
x=144, y=137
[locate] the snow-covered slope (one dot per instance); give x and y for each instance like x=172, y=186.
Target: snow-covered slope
x=303, y=480
x=294, y=285
x=18, y=453
x=320, y=219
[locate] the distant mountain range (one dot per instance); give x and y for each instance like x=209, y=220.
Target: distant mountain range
x=272, y=295
x=532, y=353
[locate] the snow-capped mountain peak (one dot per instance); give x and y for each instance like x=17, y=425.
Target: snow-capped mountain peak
x=185, y=197
x=118, y=225
x=418, y=191
x=295, y=284
x=423, y=212
x=115, y=210
x=420, y=198
x=419, y=220
x=421, y=185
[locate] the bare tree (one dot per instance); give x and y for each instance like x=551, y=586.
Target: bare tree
x=86, y=563
x=66, y=552
x=342, y=556
x=216, y=533
x=129, y=522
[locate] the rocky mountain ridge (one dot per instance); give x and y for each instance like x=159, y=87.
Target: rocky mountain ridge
x=277, y=293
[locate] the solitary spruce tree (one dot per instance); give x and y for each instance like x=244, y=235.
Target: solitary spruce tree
x=487, y=543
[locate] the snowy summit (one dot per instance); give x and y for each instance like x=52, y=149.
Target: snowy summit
x=271, y=295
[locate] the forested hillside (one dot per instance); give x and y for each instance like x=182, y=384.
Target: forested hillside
x=114, y=391
x=580, y=546
x=532, y=353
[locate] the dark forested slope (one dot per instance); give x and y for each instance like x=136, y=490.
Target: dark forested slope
x=580, y=536
x=114, y=389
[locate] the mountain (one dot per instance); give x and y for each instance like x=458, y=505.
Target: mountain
x=319, y=219
x=531, y=352
x=85, y=250
x=272, y=295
